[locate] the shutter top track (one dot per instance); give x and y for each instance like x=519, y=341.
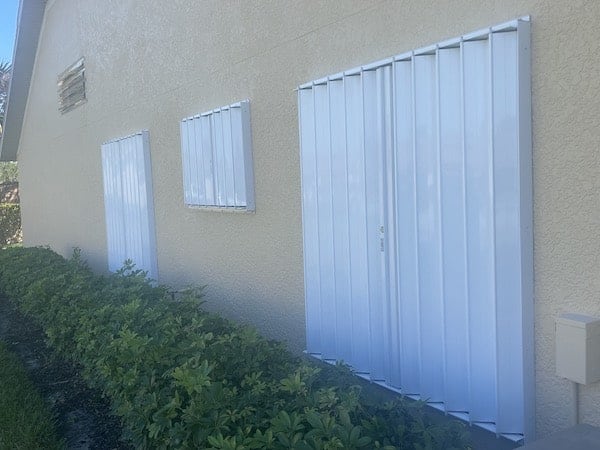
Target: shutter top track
x=478, y=35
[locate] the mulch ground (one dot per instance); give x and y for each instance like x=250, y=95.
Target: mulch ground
x=83, y=416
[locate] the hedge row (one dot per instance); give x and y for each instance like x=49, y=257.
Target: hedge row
x=10, y=223
x=182, y=378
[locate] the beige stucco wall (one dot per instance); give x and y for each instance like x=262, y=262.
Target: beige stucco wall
x=150, y=63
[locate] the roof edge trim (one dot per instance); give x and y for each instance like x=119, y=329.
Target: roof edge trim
x=29, y=25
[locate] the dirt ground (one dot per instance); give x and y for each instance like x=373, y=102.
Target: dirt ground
x=83, y=416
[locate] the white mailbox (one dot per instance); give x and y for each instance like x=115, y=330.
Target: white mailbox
x=578, y=348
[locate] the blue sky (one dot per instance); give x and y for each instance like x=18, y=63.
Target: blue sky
x=8, y=24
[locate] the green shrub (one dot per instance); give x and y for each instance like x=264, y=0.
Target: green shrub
x=182, y=378
x=25, y=420
x=9, y=171
x=10, y=223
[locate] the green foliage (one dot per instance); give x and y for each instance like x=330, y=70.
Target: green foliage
x=9, y=171
x=10, y=223
x=182, y=378
x=25, y=420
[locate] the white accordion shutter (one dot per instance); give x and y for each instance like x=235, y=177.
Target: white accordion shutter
x=129, y=204
x=216, y=153
x=416, y=195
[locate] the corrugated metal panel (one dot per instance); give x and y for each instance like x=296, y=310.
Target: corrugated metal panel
x=454, y=235
x=416, y=208
x=128, y=203
x=406, y=255
x=338, y=171
x=428, y=228
x=216, y=151
x=360, y=239
x=508, y=244
x=480, y=230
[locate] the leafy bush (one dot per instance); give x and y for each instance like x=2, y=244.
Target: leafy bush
x=182, y=378
x=9, y=171
x=10, y=223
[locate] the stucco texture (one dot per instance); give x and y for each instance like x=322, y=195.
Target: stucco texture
x=150, y=63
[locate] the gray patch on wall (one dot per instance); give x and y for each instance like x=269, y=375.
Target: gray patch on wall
x=71, y=87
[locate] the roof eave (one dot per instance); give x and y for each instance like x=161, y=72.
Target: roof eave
x=29, y=24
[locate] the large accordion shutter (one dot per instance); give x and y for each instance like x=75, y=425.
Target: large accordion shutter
x=129, y=204
x=416, y=194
